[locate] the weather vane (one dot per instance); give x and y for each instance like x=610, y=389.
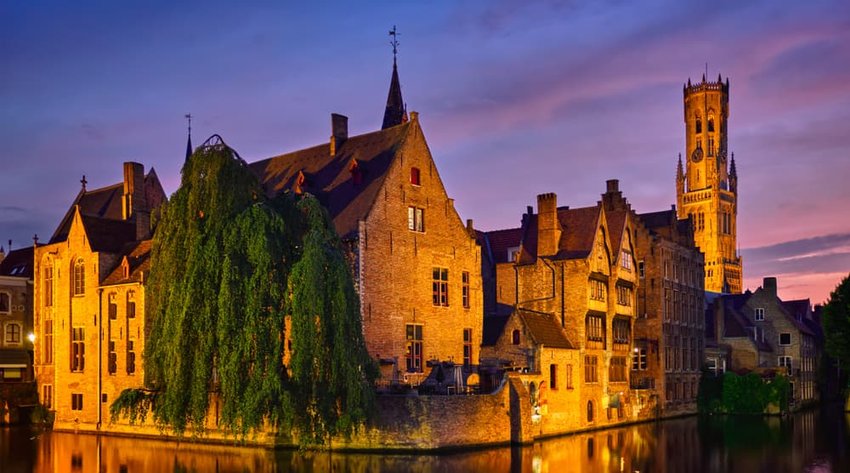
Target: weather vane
x=394, y=43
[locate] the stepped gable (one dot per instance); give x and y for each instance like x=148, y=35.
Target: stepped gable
x=331, y=178
x=543, y=329
x=18, y=263
x=137, y=256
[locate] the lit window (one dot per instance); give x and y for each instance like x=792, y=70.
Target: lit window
x=626, y=260
x=79, y=288
x=414, y=176
x=413, y=355
x=639, y=359
x=440, y=286
x=416, y=219
x=13, y=333
x=465, y=289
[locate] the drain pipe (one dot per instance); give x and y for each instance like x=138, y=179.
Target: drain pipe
x=99, y=357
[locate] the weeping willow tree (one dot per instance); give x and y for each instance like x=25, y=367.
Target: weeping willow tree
x=227, y=266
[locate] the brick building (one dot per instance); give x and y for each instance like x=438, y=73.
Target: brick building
x=89, y=299
x=16, y=314
x=669, y=328
x=416, y=265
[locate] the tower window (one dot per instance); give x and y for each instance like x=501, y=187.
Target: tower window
x=711, y=124
x=699, y=126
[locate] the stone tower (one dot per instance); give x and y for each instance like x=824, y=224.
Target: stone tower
x=707, y=186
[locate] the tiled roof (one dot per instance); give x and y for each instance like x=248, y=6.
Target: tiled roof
x=652, y=220
x=138, y=256
x=104, y=202
x=543, y=328
x=737, y=323
x=331, y=179
x=579, y=231
x=108, y=235
x=18, y=263
x=616, y=227
x=502, y=240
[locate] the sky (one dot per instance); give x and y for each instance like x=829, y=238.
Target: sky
x=516, y=98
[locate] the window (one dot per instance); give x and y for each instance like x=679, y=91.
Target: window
x=13, y=333
x=639, y=359
x=440, y=287
x=112, y=358
x=590, y=419
x=79, y=282
x=48, y=285
x=47, y=354
x=553, y=377
x=467, y=347
x=78, y=349
x=597, y=290
x=5, y=303
x=568, y=379
x=698, y=126
x=641, y=269
x=622, y=331
x=624, y=295
x=414, y=176
x=131, y=357
x=785, y=362
x=131, y=305
x=113, y=307
x=617, y=369
x=414, y=348
x=626, y=260
x=784, y=338
x=515, y=337
x=590, y=373
x=465, y=291
x=47, y=396
x=759, y=314
x=711, y=124
x=595, y=329
x=76, y=402
x=415, y=219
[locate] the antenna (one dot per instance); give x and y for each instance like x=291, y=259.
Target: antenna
x=394, y=43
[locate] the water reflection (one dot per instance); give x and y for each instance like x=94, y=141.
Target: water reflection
x=809, y=441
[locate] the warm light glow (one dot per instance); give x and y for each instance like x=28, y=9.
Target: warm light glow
x=31, y=337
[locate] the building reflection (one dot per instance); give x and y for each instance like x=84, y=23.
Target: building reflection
x=807, y=441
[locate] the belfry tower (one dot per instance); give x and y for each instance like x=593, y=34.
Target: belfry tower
x=707, y=187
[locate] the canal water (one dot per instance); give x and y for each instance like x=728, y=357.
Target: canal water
x=815, y=441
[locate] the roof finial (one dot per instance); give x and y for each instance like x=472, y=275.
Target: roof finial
x=189, y=142
x=83, y=181
x=394, y=43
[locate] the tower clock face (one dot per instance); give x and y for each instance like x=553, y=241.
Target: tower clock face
x=696, y=156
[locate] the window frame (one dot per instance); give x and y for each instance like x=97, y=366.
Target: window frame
x=465, y=291
x=467, y=347
x=789, y=343
x=591, y=369
x=758, y=314
x=553, y=376
x=440, y=286
x=12, y=333
x=415, y=176
x=47, y=279
x=8, y=298
x=78, y=349
x=78, y=278
x=414, y=355
x=415, y=219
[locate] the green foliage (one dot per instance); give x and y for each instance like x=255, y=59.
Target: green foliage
x=710, y=393
x=332, y=373
x=743, y=394
x=836, y=323
x=227, y=266
x=747, y=394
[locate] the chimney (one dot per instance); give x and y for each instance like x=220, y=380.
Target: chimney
x=612, y=185
x=134, y=203
x=470, y=228
x=548, y=229
x=339, y=131
x=769, y=285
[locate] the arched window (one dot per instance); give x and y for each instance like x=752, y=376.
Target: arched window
x=515, y=337
x=590, y=411
x=711, y=124
x=699, y=126
x=79, y=278
x=131, y=304
x=48, y=285
x=13, y=333
x=414, y=176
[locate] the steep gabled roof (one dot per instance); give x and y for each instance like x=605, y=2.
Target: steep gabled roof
x=736, y=322
x=104, y=202
x=500, y=241
x=544, y=329
x=616, y=220
x=654, y=220
x=107, y=235
x=18, y=263
x=330, y=177
x=137, y=255
x=579, y=231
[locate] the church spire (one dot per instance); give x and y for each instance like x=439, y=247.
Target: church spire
x=732, y=170
x=394, y=113
x=189, y=141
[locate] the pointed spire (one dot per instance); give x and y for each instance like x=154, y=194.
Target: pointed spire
x=395, y=112
x=679, y=171
x=189, y=141
x=732, y=170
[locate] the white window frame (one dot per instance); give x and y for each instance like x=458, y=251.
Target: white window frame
x=759, y=314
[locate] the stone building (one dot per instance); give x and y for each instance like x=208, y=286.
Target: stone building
x=577, y=266
x=707, y=188
x=669, y=327
x=755, y=331
x=416, y=265
x=89, y=299
x=16, y=314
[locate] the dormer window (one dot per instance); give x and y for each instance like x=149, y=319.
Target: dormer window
x=414, y=176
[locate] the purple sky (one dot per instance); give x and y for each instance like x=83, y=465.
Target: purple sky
x=521, y=96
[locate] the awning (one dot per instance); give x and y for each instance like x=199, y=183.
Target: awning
x=14, y=359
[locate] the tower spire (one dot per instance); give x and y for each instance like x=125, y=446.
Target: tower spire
x=189, y=141
x=395, y=112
